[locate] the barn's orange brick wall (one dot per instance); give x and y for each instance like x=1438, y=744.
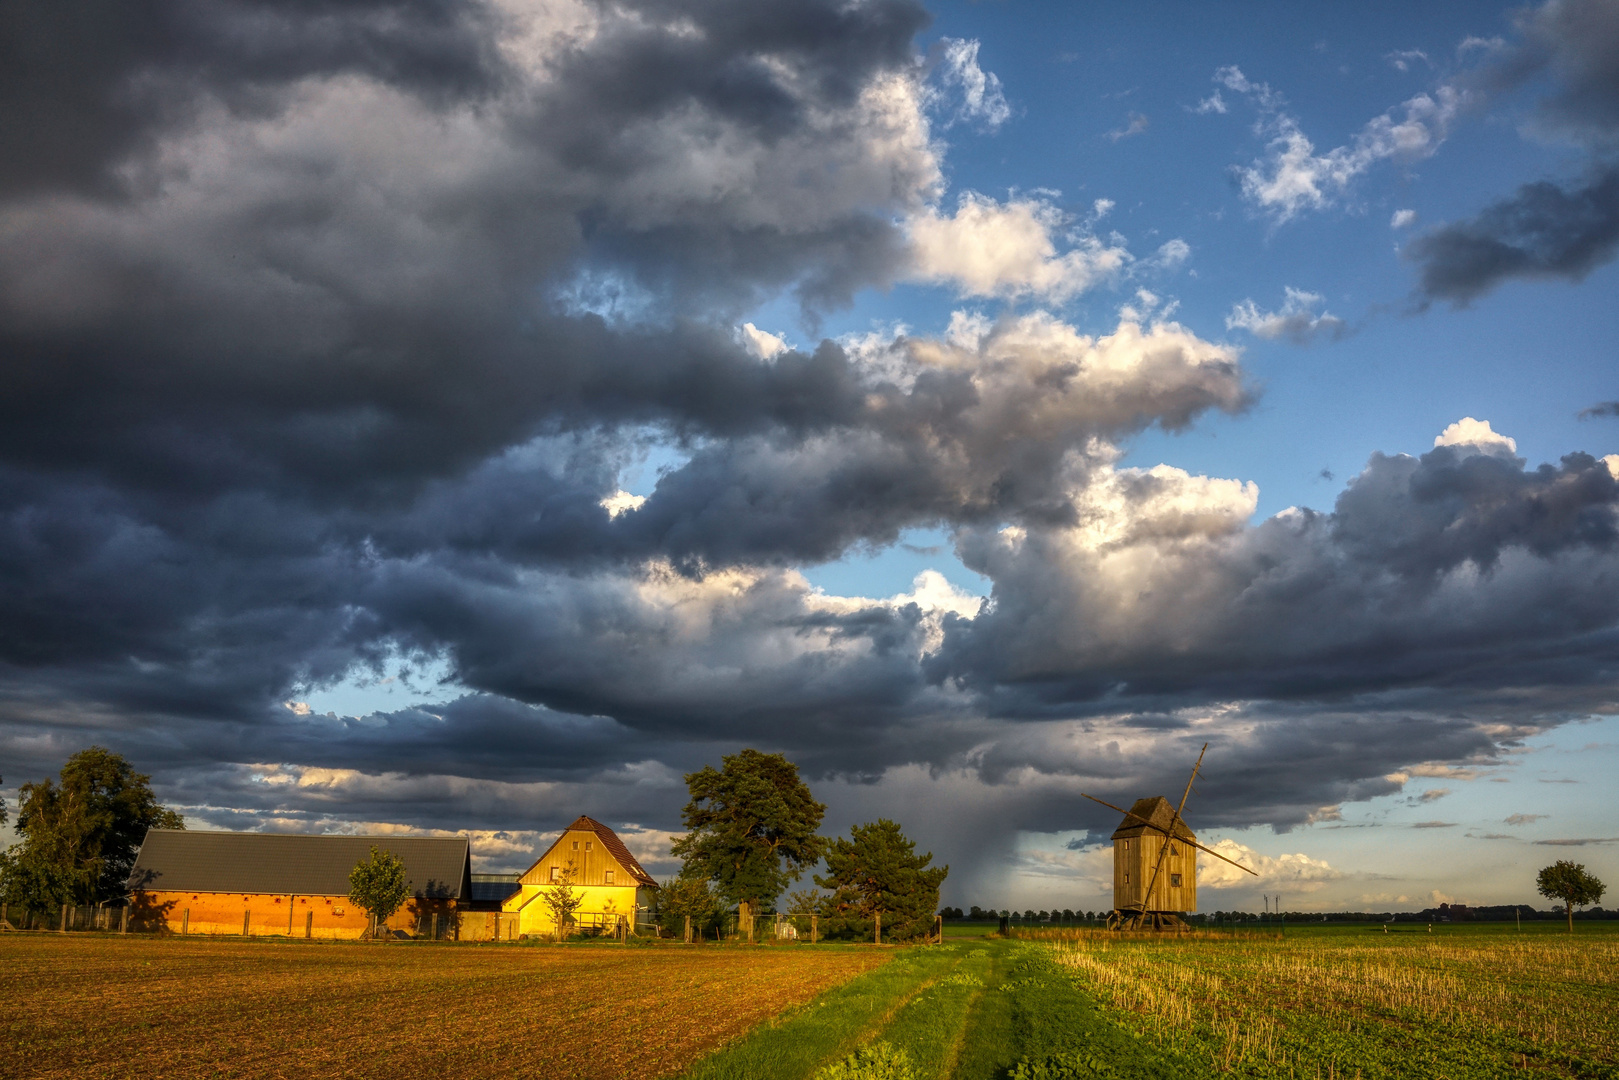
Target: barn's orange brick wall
x=270, y=914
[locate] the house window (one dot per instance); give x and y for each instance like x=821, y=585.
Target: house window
x=556, y=873
x=609, y=877
x=1174, y=881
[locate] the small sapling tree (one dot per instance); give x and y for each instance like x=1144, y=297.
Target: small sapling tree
x=560, y=899
x=378, y=885
x=1568, y=882
x=687, y=895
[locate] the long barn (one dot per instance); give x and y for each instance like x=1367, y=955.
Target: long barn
x=277, y=883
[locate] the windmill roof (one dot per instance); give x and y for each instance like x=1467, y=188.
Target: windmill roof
x=173, y=860
x=1157, y=810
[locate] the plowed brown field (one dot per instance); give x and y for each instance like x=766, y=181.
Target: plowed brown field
x=99, y=1006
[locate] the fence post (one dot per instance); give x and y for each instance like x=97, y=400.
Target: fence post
x=185, y=922
x=123, y=920
x=688, y=929
x=938, y=927
x=879, y=938
x=245, y=916
x=433, y=933
x=64, y=919
x=815, y=929
x=309, y=924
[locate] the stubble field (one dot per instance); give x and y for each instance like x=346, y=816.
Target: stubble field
x=90, y=1006
x=1457, y=1002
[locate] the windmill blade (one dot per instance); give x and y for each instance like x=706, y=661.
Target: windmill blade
x=1166, y=832
x=1174, y=820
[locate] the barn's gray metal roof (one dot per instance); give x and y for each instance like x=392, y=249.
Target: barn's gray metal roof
x=182, y=860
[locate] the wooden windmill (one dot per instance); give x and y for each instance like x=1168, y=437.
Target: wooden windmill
x=1155, y=862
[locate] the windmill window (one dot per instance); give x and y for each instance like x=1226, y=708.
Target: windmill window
x=556, y=873
x=609, y=874
x=1127, y=877
x=576, y=845
x=587, y=845
x=1172, y=850
x=1174, y=881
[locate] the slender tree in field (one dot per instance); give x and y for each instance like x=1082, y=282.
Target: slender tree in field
x=377, y=884
x=560, y=900
x=752, y=827
x=878, y=872
x=79, y=834
x=1568, y=882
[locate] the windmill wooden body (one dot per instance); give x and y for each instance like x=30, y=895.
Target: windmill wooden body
x=1155, y=862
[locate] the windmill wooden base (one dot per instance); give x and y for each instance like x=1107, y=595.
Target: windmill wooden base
x=1157, y=921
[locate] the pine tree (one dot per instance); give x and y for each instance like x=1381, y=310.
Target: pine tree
x=877, y=871
x=752, y=827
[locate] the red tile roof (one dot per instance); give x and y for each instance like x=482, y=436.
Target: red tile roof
x=614, y=846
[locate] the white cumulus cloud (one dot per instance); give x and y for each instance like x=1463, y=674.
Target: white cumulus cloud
x=1298, y=872
x=1297, y=320
x=1009, y=250
x=1477, y=434
x=1292, y=177
x=982, y=101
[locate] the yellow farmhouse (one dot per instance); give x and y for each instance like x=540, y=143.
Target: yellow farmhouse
x=607, y=879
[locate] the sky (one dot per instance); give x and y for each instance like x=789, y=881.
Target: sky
x=457, y=417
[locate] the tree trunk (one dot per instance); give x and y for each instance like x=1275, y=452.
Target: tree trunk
x=1569, y=905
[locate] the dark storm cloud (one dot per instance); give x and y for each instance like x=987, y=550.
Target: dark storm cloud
x=327, y=329
x=1576, y=44
x=1460, y=569
x=1545, y=230
x=84, y=85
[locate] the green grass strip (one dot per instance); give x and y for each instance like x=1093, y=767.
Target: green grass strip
x=801, y=1041
x=930, y=1029
x=1037, y=1024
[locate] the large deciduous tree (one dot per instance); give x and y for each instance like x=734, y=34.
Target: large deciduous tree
x=1568, y=882
x=79, y=834
x=877, y=871
x=752, y=827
